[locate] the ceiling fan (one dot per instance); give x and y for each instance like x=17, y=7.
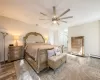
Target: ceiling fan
x=56, y=19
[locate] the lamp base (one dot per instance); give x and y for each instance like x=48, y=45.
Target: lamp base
x=16, y=44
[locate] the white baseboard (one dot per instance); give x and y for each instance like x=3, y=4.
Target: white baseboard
x=96, y=56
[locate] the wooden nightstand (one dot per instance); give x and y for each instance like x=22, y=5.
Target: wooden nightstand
x=15, y=53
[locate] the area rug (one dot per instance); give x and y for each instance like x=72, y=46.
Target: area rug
x=76, y=68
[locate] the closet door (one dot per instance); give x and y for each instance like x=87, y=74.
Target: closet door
x=77, y=45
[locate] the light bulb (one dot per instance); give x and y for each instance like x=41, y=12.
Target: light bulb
x=54, y=16
x=54, y=22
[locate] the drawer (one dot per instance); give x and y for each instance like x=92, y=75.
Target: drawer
x=12, y=50
x=15, y=48
x=15, y=53
x=14, y=57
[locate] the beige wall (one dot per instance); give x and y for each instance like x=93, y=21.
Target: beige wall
x=9, y=40
x=15, y=27
x=91, y=33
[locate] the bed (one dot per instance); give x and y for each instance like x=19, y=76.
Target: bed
x=35, y=51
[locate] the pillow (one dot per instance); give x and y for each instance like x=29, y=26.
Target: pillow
x=57, y=50
x=51, y=52
x=58, y=53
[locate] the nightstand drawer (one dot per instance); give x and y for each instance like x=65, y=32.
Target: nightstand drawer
x=15, y=48
x=14, y=57
x=15, y=52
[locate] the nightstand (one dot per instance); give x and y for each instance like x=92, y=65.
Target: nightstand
x=15, y=53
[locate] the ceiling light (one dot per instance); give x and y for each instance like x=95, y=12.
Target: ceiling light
x=54, y=16
x=57, y=18
x=54, y=22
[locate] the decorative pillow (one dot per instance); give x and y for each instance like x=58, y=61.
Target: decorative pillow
x=57, y=51
x=60, y=48
x=51, y=52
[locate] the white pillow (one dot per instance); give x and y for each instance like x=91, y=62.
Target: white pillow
x=51, y=53
x=57, y=51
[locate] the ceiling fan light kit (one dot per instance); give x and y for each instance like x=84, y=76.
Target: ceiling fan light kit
x=54, y=22
x=56, y=18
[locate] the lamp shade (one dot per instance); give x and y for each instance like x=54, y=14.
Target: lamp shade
x=16, y=37
x=46, y=37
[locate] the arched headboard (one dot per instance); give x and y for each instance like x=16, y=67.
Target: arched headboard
x=32, y=37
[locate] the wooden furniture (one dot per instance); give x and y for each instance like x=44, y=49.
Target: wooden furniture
x=77, y=45
x=15, y=53
x=57, y=60
x=40, y=63
x=42, y=56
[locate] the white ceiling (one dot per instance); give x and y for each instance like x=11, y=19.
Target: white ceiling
x=28, y=11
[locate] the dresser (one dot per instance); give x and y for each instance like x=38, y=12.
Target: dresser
x=15, y=53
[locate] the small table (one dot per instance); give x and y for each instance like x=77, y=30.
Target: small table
x=15, y=53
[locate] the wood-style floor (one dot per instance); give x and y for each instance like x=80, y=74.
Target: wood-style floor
x=7, y=72
x=76, y=68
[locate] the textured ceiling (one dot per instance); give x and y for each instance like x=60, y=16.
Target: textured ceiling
x=28, y=11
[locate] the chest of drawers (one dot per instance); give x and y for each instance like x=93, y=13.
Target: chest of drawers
x=15, y=53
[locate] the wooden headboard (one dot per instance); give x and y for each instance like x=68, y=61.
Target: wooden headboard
x=33, y=37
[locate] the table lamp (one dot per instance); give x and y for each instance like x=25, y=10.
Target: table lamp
x=46, y=39
x=16, y=37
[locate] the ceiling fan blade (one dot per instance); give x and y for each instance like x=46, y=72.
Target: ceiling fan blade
x=67, y=17
x=64, y=12
x=64, y=21
x=46, y=22
x=54, y=10
x=43, y=14
x=44, y=19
